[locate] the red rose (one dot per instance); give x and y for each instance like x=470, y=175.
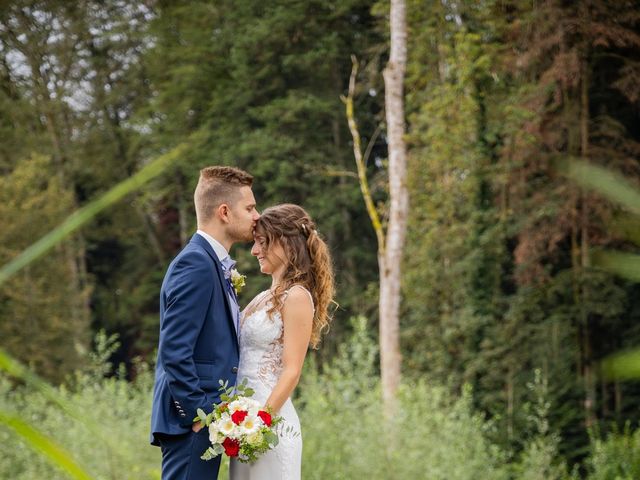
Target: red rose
x=238, y=416
x=231, y=447
x=266, y=417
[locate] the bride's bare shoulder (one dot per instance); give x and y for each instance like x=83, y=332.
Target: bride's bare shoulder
x=299, y=299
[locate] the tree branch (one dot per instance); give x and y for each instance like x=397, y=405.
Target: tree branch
x=360, y=159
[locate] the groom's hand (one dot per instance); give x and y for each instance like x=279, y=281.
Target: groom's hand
x=197, y=426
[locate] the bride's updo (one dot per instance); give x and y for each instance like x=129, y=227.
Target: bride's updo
x=309, y=261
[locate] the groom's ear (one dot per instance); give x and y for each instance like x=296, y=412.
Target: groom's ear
x=222, y=212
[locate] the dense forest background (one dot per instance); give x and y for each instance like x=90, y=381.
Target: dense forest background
x=497, y=278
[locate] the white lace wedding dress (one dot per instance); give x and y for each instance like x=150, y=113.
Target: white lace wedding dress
x=261, y=344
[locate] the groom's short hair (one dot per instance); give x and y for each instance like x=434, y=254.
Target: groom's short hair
x=218, y=185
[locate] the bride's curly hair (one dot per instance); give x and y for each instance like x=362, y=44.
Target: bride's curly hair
x=308, y=261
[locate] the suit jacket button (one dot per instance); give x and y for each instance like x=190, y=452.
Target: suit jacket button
x=183, y=414
x=234, y=370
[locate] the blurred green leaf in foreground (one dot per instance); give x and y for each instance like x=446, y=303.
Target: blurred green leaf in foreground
x=613, y=186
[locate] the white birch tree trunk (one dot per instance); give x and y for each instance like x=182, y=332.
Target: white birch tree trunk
x=390, y=259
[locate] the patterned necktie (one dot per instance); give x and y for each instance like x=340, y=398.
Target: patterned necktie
x=228, y=264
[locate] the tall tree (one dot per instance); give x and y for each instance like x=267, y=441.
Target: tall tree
x=391, y=239
x=73, y=75
x=40, y=74
x=36, y=324
x=390, y=259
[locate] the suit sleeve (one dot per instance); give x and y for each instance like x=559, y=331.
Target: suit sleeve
x=188, y=293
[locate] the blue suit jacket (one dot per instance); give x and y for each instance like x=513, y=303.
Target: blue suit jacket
x=198, y=343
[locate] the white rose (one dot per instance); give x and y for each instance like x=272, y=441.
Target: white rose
x=237, y=405
x=214, y=432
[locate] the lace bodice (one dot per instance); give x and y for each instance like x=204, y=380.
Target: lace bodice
x=261, y=341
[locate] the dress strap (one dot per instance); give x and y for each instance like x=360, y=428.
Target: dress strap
x=306, y=291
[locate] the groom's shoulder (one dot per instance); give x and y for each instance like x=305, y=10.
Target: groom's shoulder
x=191, y=261
x=192, y=251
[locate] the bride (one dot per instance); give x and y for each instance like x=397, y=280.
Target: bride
x=279, y=325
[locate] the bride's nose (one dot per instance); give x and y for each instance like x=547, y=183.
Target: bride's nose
x=255, y=250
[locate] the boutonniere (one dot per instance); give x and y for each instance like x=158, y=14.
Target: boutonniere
x=237, y=280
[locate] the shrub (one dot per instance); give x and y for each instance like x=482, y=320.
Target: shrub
x=615, y=458
x=434, y=436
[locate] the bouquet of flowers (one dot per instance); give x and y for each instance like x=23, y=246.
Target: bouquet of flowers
x=239, y=426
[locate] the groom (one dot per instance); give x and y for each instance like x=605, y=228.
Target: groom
x=199, y=317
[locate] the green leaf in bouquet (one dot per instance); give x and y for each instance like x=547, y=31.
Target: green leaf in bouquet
x=201, y=415
x=271, y=438
x=248, y=392
x=224, y=397
x=209, y=454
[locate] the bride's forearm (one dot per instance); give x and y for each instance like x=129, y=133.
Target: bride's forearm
x=282, y=391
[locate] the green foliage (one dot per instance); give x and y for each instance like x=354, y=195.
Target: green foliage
x=453, y=238
x=616, y=457
x=37, y=323
x=433, y=435
x=42, y=445
x=539, y=459
x=262, y=90
x=622, y=365
x=86, y=213
x=118, y=448
x=497, y=277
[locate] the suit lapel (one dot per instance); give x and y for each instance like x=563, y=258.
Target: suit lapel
x=199, y=240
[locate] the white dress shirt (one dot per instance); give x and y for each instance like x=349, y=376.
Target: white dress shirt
x=221, y=252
